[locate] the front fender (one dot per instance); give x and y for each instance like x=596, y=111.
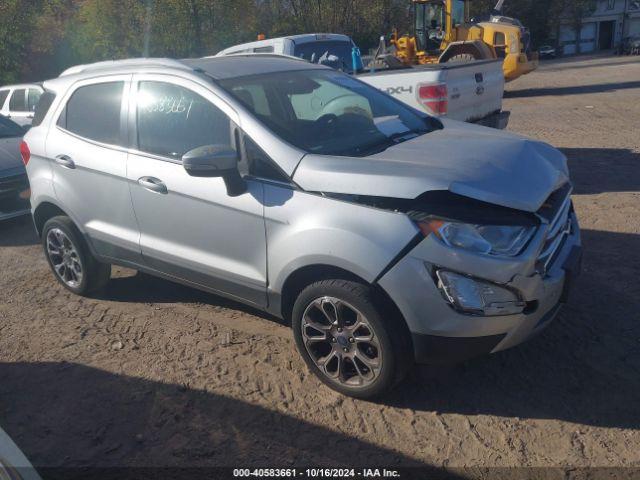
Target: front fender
x=306, y=229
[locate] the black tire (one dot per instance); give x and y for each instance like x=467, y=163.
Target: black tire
x=388, y=328
x=462, y=57
x=94, y=274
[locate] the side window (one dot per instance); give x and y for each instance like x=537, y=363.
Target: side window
x=171, y=120
x=268, y=49
x=260, y=165
x=93, y=112
x=3, y=96
x=17, y=102
x=33, y=95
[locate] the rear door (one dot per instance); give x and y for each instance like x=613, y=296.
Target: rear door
x=89, y=157
x=191, y=228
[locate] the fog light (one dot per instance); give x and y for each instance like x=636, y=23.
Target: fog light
x=477, y=297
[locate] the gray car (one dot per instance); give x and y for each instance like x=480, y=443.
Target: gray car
x=385, y=236
x=14, y=185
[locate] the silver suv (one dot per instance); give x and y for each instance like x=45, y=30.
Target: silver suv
x=385, y=236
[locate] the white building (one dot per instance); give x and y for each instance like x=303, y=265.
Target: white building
x=604, y=29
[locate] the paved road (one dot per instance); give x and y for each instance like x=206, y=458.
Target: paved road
x=153, y=373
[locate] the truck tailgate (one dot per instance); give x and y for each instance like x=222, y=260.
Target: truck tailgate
x=474, y=89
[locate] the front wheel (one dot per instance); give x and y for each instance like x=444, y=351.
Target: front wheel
x=348, y=340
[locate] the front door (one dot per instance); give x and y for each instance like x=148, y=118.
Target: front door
x=191, y=228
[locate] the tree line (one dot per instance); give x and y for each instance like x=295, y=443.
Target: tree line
x=40, y=38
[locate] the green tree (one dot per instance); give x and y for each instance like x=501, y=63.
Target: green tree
x=107, y=29
x=18, y=18
x=42, y=37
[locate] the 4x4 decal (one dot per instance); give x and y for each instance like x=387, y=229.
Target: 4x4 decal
x=398, y=90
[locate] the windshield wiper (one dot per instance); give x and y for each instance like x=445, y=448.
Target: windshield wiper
x=395, y=139
x=391, y=140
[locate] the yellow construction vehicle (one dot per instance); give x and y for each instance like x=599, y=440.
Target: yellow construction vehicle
x=443, y=31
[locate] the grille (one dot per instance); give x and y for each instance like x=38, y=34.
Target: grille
x=556, y=212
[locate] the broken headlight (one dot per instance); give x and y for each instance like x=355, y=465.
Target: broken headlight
x=503, y=240
x=476, y=296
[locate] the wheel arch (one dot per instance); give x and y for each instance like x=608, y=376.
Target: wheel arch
x=304, y=276
x=43, y=212
x=477, y=48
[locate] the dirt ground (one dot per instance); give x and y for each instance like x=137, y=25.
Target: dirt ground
x=155, y=374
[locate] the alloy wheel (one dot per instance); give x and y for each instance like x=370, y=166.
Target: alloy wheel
x=64, y=258
x=341, y=342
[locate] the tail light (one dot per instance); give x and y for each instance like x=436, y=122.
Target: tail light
x=25, y=152
x=434, y=97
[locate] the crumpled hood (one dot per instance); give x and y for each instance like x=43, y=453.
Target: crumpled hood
x=481, y=163
x=10, y=153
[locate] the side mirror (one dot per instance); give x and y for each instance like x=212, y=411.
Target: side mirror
x=211, y=161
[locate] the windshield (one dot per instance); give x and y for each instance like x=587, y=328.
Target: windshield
x=327, y=112
x=9, y=128
x=335, y=54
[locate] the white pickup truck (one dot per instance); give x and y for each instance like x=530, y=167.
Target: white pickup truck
x=466, y=91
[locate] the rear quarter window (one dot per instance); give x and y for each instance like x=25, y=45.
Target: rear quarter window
x=43, y=106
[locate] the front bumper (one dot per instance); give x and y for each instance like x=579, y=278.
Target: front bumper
x=442, y=334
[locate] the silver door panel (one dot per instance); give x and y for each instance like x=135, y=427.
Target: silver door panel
x=197, y=232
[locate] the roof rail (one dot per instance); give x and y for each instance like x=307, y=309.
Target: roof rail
x=130, y=62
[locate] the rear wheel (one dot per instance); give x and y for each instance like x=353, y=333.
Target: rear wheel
x=70, y=259
x=347, y=340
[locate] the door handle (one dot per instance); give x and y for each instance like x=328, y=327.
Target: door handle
x=153, y=184
x=65, y=161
